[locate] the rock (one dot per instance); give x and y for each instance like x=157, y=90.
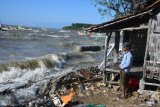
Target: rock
x=156, y=96
x=30, y=104
x=135, y=94
x=151, y=103
x=92, y=87
x=48, y=103
x=52, y=96
x=115, y=88
x=88, y=93
x=140, y=91
x=101, y=84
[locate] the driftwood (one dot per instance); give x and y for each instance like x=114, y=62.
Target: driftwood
x=96, y=79
x=9, y=89
x=82, y=80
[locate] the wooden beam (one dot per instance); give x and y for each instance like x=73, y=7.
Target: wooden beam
x=108, y=53
x=105, y=55
x=113, y=82
x=134, y=28
x=105, y=59
x=122, y=20
x=112, y=70
x=116, y=47
x=152, y=84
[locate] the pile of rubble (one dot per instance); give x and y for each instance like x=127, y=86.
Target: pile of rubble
x=85, y=86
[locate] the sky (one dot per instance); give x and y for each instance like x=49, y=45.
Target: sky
x=49, y=13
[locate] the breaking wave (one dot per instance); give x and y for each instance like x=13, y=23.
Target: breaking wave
x=30, y=69
x=48, y=61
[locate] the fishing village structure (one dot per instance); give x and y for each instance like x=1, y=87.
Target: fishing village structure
x=142, y=30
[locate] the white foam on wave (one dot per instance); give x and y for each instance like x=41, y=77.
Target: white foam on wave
x=58, y=60
x=18, y=74
x=56, y=36
x=64, y=31
x=29, y=92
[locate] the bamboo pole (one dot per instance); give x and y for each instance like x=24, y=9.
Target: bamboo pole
x=105, y=61
x=108, y=53
x=105, y=56
x=116, y=47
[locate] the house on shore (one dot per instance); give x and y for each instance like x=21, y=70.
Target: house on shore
x=142, y=30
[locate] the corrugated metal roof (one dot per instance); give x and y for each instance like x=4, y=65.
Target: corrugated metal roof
x=119, y=23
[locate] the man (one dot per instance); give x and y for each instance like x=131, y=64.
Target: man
x=125, y=67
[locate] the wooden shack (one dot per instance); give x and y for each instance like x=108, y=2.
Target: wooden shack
x=142, y=30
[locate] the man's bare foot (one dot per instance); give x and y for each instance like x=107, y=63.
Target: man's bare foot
x=122, y=97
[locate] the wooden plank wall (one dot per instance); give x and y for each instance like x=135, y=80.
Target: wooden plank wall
x=154, y=42
x=153, y=65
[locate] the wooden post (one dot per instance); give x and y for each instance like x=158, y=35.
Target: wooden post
x=147, y=43
x=105, y=57
x=116, y=47
x=107, y=38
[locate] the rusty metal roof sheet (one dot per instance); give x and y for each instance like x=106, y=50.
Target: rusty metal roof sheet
x=119, y=23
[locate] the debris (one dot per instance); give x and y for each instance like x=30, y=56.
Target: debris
x=151, y=103
x=116, y=87
x=56, y=101
x=68, y=98
x=64, y=90
x=156, y=96
x=99, y=84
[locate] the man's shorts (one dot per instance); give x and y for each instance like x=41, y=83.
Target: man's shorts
x=124, y=78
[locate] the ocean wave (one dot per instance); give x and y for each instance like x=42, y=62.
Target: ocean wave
x=47, y=61
x=18, y=70
x=17, y=74
x=57, y=36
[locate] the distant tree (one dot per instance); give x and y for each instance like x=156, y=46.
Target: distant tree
x=114, y=8
x=77, y=26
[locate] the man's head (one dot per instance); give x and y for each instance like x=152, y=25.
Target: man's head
x=126, y=46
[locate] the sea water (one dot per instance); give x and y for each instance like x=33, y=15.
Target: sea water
x=35, y=55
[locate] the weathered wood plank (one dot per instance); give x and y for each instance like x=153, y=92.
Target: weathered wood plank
x=135, y=28
x=147, y=46
x=105, y=55
x=112, y=70
x=152, y=84
x=116, y=47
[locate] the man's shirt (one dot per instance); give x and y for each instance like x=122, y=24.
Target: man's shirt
x=126, y=62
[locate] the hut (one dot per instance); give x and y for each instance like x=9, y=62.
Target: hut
x=142, y=30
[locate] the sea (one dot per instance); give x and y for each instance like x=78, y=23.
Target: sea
x=32, y=56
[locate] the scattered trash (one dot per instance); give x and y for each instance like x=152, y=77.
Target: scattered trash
x=88, y=105
x=151, y=103
x=57, y=101
x=68, y=98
